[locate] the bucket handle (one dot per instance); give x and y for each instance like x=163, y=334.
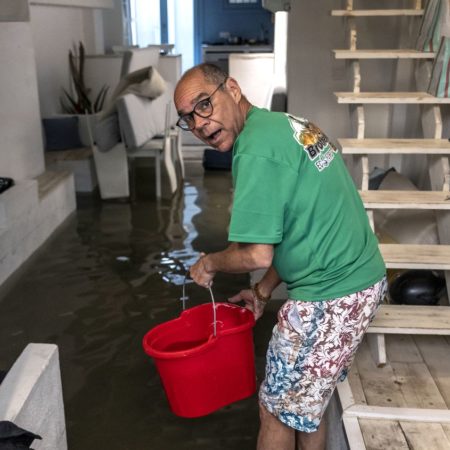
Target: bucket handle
x=184, y=297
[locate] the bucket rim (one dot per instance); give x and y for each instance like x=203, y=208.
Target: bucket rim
x=208, y=344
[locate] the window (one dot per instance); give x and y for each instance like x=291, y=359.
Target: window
x=143, y=24
x=143, y=20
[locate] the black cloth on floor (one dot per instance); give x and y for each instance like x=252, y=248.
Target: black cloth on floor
x=215, y=160
x=3, y=374
x=5, y=183
x=13, y=437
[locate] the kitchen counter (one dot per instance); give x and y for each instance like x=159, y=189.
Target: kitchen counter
x=237, y=48
x=218, y=53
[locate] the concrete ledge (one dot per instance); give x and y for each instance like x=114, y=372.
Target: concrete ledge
x=31, y=396
x=28, y=218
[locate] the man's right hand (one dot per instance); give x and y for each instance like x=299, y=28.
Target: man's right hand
x=251, y=302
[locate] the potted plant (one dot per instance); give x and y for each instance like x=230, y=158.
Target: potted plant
x=81, y=102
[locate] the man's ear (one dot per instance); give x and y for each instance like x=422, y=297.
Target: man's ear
x=234, y=89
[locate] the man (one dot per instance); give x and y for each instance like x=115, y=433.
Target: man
x=297, y=214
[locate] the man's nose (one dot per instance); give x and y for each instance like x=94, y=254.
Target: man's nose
x=200, y=121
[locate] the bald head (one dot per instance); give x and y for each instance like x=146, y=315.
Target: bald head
x=211, y=73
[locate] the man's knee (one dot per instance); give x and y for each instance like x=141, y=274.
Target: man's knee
x=264, y=414
x=267, y=417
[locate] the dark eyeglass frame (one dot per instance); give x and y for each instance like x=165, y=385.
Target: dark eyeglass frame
x=187, y=121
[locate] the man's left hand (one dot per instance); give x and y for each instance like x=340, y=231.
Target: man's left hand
x=200, y=274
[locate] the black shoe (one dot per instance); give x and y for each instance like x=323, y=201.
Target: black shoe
x=5, y=183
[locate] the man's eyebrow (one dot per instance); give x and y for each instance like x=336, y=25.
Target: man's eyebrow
x=194, y=101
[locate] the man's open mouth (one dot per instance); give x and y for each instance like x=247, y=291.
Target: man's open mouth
x=214, y=136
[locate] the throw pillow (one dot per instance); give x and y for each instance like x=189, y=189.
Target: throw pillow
x=61, y=133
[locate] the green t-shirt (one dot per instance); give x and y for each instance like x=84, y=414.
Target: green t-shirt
x=292, y=190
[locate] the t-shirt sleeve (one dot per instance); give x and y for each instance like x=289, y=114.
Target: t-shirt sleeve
x=262, y=188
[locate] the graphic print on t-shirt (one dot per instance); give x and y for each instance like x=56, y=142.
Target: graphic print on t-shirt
x=313, y=141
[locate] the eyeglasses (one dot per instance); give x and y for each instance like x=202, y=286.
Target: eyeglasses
x=203, y=108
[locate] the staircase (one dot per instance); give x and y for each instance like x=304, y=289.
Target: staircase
x=399, y=319
x=361, y=148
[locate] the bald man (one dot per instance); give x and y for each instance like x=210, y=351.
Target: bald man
x=297, y=214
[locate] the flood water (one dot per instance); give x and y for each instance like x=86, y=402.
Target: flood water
x=113, y=271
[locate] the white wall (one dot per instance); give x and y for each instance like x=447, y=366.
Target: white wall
x=314, y=74
x=21, y=154
x=55, y=31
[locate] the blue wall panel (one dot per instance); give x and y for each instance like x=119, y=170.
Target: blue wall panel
x=245, y=22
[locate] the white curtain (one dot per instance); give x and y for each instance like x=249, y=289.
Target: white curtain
x=145, y=22
x=181, y=29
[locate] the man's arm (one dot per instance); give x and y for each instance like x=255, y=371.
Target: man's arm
x=236, y=258
x=266, y=285
x=269, y=282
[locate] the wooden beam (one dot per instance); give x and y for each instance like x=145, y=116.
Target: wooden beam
x=411, y=256
x=377, y=347
x=393, y=413
x=395, y=146
x=389, y=98
x=376, y=12
x=381, y=199
x=354, y=434
x=382, y=54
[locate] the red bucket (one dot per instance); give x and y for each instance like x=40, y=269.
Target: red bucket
x=202, y=371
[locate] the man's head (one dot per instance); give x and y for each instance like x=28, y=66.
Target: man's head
x=211, y=105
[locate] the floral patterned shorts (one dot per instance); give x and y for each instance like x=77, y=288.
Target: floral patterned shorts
x=311, y=349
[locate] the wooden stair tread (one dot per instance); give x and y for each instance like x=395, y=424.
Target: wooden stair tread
x=412, y=256
x=395, y=146
x=48, y=180
x=389, y=98
x=382, y=54
x=385, y=199
x=76, y=154
x=411, y=319
x=376, y=12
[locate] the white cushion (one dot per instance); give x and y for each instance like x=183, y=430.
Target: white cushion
x=141, y=119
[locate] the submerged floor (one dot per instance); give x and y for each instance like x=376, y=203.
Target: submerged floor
x=109, y=274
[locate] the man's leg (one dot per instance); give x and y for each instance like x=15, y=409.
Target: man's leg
x=273, y=434
x=313, y=441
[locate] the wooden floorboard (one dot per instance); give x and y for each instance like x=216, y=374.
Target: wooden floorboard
x=416, y=376
x=402, y=349
x=436, y=354
x=446, y=428
x=378, y=383
x=418, y=386
x=425, y=436
x=383, y=435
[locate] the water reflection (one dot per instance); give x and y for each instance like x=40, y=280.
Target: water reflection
x=177, y=226
x=110, y=274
